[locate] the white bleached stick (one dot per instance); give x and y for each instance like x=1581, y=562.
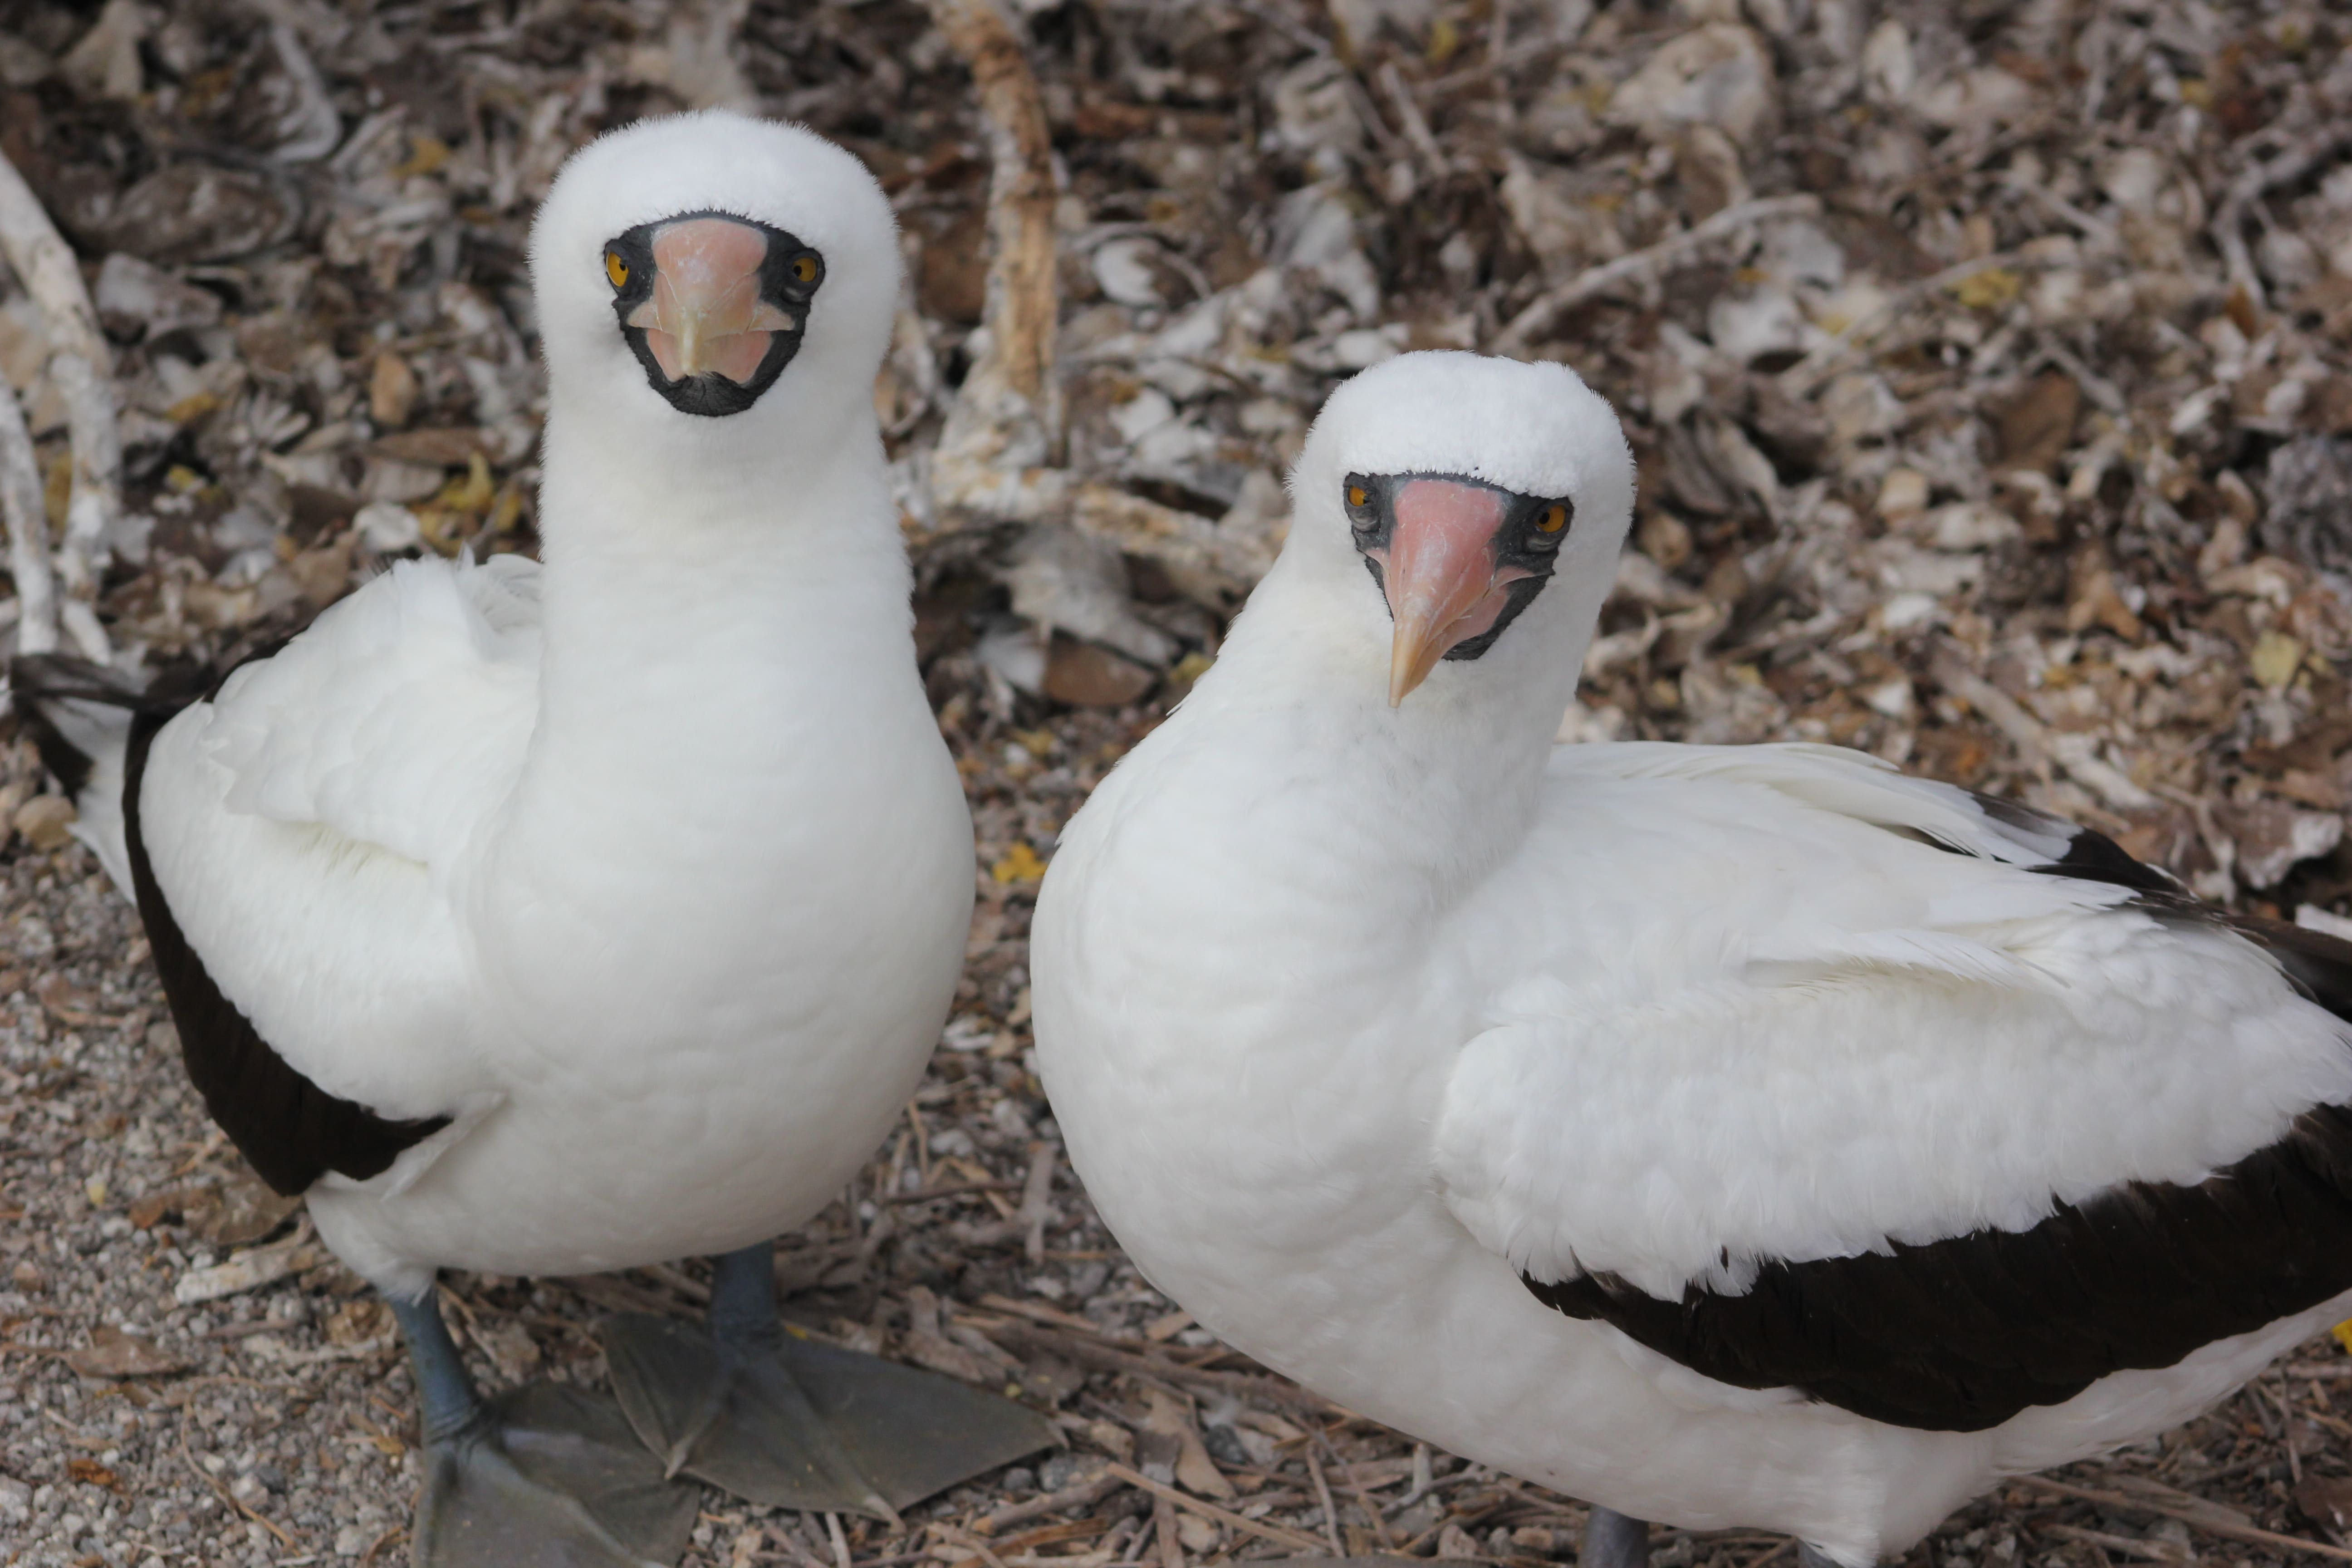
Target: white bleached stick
x=1012, y=390
x=999, y=455
x=81, y=368
x=1547, y=307
x=28, y=528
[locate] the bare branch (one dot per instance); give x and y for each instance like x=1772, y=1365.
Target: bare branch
x=2228, y=226
x=81, y=368
x=28, y=531
x=1009, y=412
x=1550, y=305
x=1000, y=453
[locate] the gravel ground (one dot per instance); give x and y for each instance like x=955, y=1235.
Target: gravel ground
x=1991, y=370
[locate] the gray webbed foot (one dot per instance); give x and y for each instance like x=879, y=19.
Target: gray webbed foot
x=545, y=1476
x=795, y=1424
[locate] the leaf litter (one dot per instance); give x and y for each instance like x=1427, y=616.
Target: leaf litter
x=1989, y=369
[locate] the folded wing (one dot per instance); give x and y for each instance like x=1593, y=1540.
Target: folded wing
x=1931, y=1107
x=296, y=841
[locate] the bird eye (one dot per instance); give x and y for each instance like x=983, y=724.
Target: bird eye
x=616, y=270
x=1359, y=496
x=1552, y=519
x=804, y=268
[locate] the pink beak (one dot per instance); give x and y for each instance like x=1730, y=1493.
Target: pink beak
x=706, y=315
x=1444, y=584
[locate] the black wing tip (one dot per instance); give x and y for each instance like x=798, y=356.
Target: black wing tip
x=2090, y=855
x=38, y=681
x=35, y=680
x=2318, y=965
x=2093, y=857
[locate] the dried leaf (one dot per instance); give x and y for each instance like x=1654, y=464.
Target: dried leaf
x=1160, y=1330
x=443, y=448
x=2037, y=426
x=91, y=1471
x=2325, y=1500
x=2276, y=659
x=1019, y=864
x=2273, y=838
x=359, y=1322
x=115, y=1353
x=1086, y=676
x=1170, y=1417
x=2097, y=601
x=1990, y=289
x=148, y=1212
x=247, y=1272
x=392, y=391
x=46, y=821
x=244, y=1210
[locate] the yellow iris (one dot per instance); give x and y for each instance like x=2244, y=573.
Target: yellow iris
x=616, y=270
x=804, y=268
x=1552, y=519
x=1358, y=495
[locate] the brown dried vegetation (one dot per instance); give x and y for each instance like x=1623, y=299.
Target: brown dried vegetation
x=1989, y=367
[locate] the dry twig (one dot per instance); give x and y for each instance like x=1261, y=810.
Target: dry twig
x=2074, y=753
x=81, y=368
x=1216, y=1515
x=28, y=527
x=1099, y=1357
x=2228, y=224
x=291, y=1543
x=2195, y=1518
x=1804, y=378
x=1008, y=413
x=998, y=455
x=1077, y=1495
x=1323, y=1497
x=1549, y=306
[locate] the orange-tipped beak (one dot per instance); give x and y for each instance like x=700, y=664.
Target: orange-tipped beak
x=1444, y=584
x=705, y=315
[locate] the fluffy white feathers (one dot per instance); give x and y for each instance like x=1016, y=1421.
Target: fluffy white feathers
x=1350, y=1013
x=1740, y=1022
x=649, y=867
x=400, y=723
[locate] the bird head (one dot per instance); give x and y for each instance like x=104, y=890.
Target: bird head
x=1468, y=505
x=704, y=255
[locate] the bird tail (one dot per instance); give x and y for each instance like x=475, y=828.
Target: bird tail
x=80, y=716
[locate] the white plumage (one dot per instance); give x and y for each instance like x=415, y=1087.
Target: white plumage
x=1353, y=1014
x=542, y=920
x=647, y=866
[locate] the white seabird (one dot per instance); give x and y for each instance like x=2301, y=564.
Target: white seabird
x=542, y=920
x=1728, y=1135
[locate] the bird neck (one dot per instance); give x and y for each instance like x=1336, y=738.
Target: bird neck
x=712, y=559
x=705, y=608
x=1441, y=788
x=733, y=747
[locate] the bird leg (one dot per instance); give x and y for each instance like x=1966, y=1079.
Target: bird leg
x=446, y=1403
x=1613, y=1540
x=545, y=1476
x=780, y=1419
